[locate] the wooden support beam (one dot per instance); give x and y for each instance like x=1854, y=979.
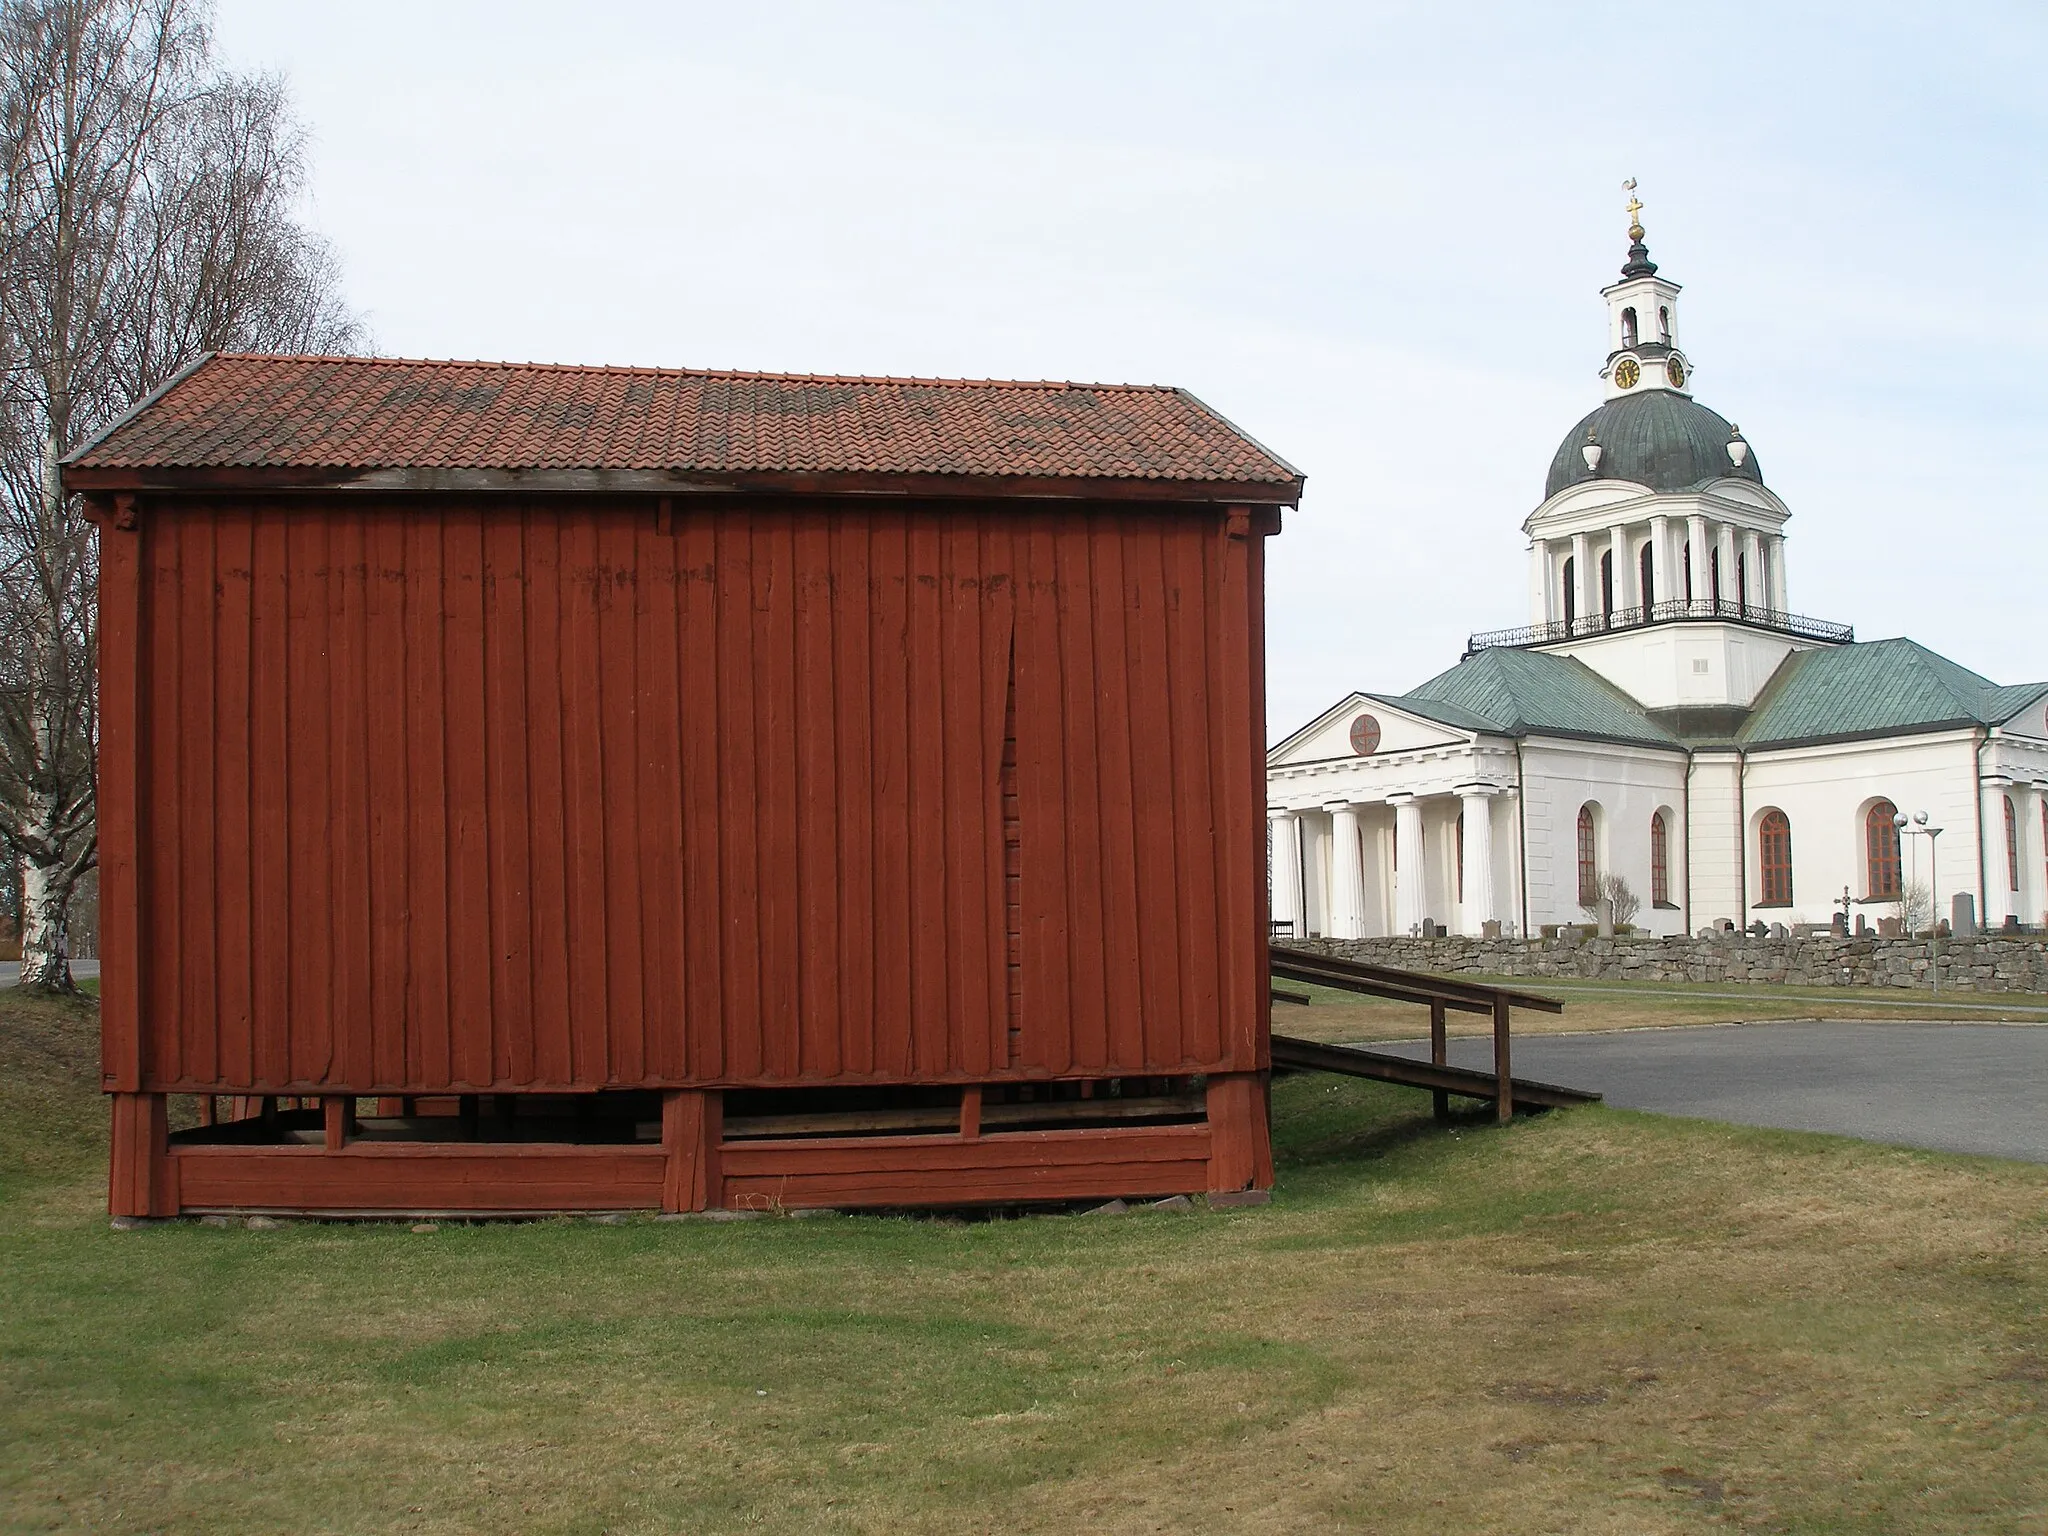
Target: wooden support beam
x=692, y=1127
x=334, y=1119
x=970, y=1112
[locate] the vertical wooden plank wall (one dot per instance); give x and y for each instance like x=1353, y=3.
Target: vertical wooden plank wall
x=495, y=795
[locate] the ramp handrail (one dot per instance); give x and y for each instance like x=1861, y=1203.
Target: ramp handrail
x=1440, y=993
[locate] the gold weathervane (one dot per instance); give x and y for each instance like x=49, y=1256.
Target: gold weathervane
x=1635, y=209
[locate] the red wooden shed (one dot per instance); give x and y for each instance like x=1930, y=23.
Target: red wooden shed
x=678, y=789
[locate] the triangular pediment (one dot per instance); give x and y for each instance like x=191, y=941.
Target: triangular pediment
x=1329, y=737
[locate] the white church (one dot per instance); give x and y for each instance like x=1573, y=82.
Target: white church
x=1665, y=718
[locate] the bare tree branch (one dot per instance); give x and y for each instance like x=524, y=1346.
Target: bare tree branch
x=149, y=211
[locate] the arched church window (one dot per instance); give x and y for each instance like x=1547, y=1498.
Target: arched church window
x=1742, y=581
x=1660, y=861
x=1881, y=852
x=2012, y=846
x=1628, y=327
x=1461, y=858
x=1589, y=865
x=1774, y=859
x=1714, y=574
x=1606, y=583
x=1571, y=591
x=1685, y=563
x=1664, y=324
x=1646, y=569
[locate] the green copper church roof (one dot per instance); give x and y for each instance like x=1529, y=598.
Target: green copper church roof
x=1657, y=438
x=1525, y=693
x=1844, y=692
x=1877, y=688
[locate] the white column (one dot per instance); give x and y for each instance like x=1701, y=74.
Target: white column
x=1696, y=557
x=1753, y=569
x=1660, y=563
x=1347, y=873
x=1584, y=585
x=1539, y=582
x=1284, y=834
x=1410, y=873
x=1998, y=892
x=1476, y=801
x=1727, y=544
x=1624, y=568
x=1779, y=600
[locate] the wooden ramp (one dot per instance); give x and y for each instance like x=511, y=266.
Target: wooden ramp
x=1352, y=1061
x=1442, y=995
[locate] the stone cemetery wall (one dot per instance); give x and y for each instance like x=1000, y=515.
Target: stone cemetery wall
x=1982, y=964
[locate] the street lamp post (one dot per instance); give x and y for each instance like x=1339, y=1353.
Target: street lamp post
x=1920, y=828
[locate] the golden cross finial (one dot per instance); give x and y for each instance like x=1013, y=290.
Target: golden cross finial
x=1635, y=208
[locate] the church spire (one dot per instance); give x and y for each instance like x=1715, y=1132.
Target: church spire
x=1642, y=320
x=1639, y=263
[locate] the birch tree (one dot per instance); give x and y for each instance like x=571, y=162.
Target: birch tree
x=149, y=212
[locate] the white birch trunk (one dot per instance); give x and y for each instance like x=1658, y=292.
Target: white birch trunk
x=45, y=927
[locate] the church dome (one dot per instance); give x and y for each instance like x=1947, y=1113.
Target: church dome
x=1658, y=438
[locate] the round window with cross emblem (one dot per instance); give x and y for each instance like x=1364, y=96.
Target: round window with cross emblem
x=1365, y=735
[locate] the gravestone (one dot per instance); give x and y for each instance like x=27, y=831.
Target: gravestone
x=1490, y=929
x=1889, y=928
x=1964, y=920
x=1862, y=926
x=1780, y=931
x=1839, y=925
x=1606, y=918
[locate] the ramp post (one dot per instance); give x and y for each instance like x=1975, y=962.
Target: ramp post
x=1504, y=1081
x=1439, y=1054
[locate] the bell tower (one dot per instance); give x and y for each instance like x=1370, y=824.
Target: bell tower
x=1642, y=321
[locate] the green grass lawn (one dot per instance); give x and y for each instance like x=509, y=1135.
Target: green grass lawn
x=1588, y=1322
x=1589, y=1005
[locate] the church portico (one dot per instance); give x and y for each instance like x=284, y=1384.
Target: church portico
x=1357, y=869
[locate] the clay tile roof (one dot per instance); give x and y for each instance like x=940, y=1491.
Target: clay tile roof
x=341, y=413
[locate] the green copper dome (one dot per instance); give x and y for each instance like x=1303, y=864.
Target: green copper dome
x=1657, y=438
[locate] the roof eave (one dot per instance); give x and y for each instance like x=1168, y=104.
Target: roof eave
x=92, y=478
x=1878, y=733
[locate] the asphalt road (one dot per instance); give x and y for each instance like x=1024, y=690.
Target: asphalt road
x=1979, y=1088
x=10, y=971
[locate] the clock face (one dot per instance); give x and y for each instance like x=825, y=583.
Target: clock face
x=1365, y=735
x=1626, y=372
x=1675, y=372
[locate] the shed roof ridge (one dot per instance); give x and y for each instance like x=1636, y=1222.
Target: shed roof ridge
x=487, y=365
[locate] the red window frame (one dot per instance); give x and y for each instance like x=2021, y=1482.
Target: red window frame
x=1881, y=872
x=1589, y=865
x=1660, y=861
x=2012, y=845
x=1774, y=859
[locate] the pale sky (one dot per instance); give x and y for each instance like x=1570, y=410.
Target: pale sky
x=1371, y=235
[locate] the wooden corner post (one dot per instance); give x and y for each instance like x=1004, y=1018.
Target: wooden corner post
x=141, y=1178
x=1240, y=1144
